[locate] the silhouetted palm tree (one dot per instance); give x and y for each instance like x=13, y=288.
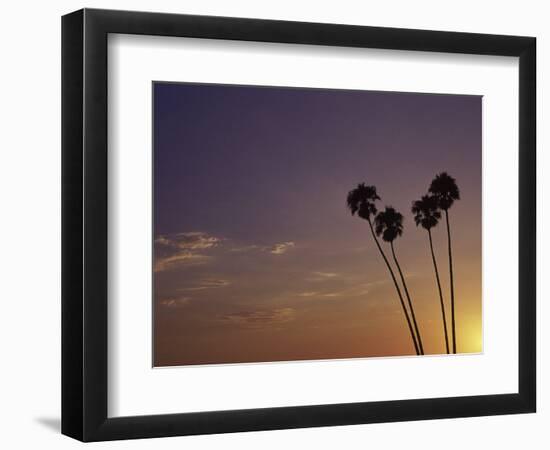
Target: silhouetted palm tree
x=389, y=225
x=426, y=213
x=445, y=190
x=361, y=200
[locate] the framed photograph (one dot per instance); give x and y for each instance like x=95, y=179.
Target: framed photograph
x=273, y=224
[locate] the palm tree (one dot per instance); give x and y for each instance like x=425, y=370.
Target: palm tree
x=361, y=200
x=426, y=213
x=445, y=191
x=389, y=225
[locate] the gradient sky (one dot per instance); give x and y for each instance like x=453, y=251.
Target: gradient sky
x=257, y=257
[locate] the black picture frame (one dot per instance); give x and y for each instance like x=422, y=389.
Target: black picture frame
x=84, y=224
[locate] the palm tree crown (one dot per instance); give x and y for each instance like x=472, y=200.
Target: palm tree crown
x=426, y=212
x=389, y=224
x=445, y=190
x=361, y=201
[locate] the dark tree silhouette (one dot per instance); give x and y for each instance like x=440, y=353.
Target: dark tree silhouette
x=445, y=191
x=361, y=201
x=427, y=214
x=389, y=225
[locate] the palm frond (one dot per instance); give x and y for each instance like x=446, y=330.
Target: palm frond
x=362, y=200
x=426, y=211
x=389, y=224
x=444, y=188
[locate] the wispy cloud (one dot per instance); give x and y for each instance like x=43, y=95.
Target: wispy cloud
x=208, y=283
x=322, y=294
x=326, y=274
x=253, y=319
x=357, y=290
x=179, y=259
x=308, y=294
x=191, y=248
x=372, y=284
x=175, y=302
x=275, y=249
x=283, y=247
x=192, y=240
x=183, y=249
x=323, y=276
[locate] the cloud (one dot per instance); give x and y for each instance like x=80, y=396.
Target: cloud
x=323, y=276
x=183, y=249
x=355, y=290
x=191, y=248
x=326, y=274
x=256, y=319
x=308, y=294
x=178, y=259
x=192, y=240
x=372, y=284
x=208, y=283
x=276, y=249
x=321, y=294
x=280, y=249
x=175, y=302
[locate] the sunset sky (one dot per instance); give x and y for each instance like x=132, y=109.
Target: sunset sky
x=257, y=257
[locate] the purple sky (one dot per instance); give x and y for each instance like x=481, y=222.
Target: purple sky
x=249, y=190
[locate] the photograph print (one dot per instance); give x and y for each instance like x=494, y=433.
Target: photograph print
x=295, y=224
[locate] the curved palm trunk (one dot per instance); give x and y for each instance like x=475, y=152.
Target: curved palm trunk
x=440, y=292
x=421, y=347
x=452, y=281
x=397, y=288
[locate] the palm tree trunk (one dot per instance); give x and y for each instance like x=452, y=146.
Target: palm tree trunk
x=452, y=281
x=396, y=287
x=440, y=292
x=421, y=347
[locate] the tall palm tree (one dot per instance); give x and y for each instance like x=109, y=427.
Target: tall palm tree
x=389, y=225
x=445, y=190
x=361, y=200
x=427, y=214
